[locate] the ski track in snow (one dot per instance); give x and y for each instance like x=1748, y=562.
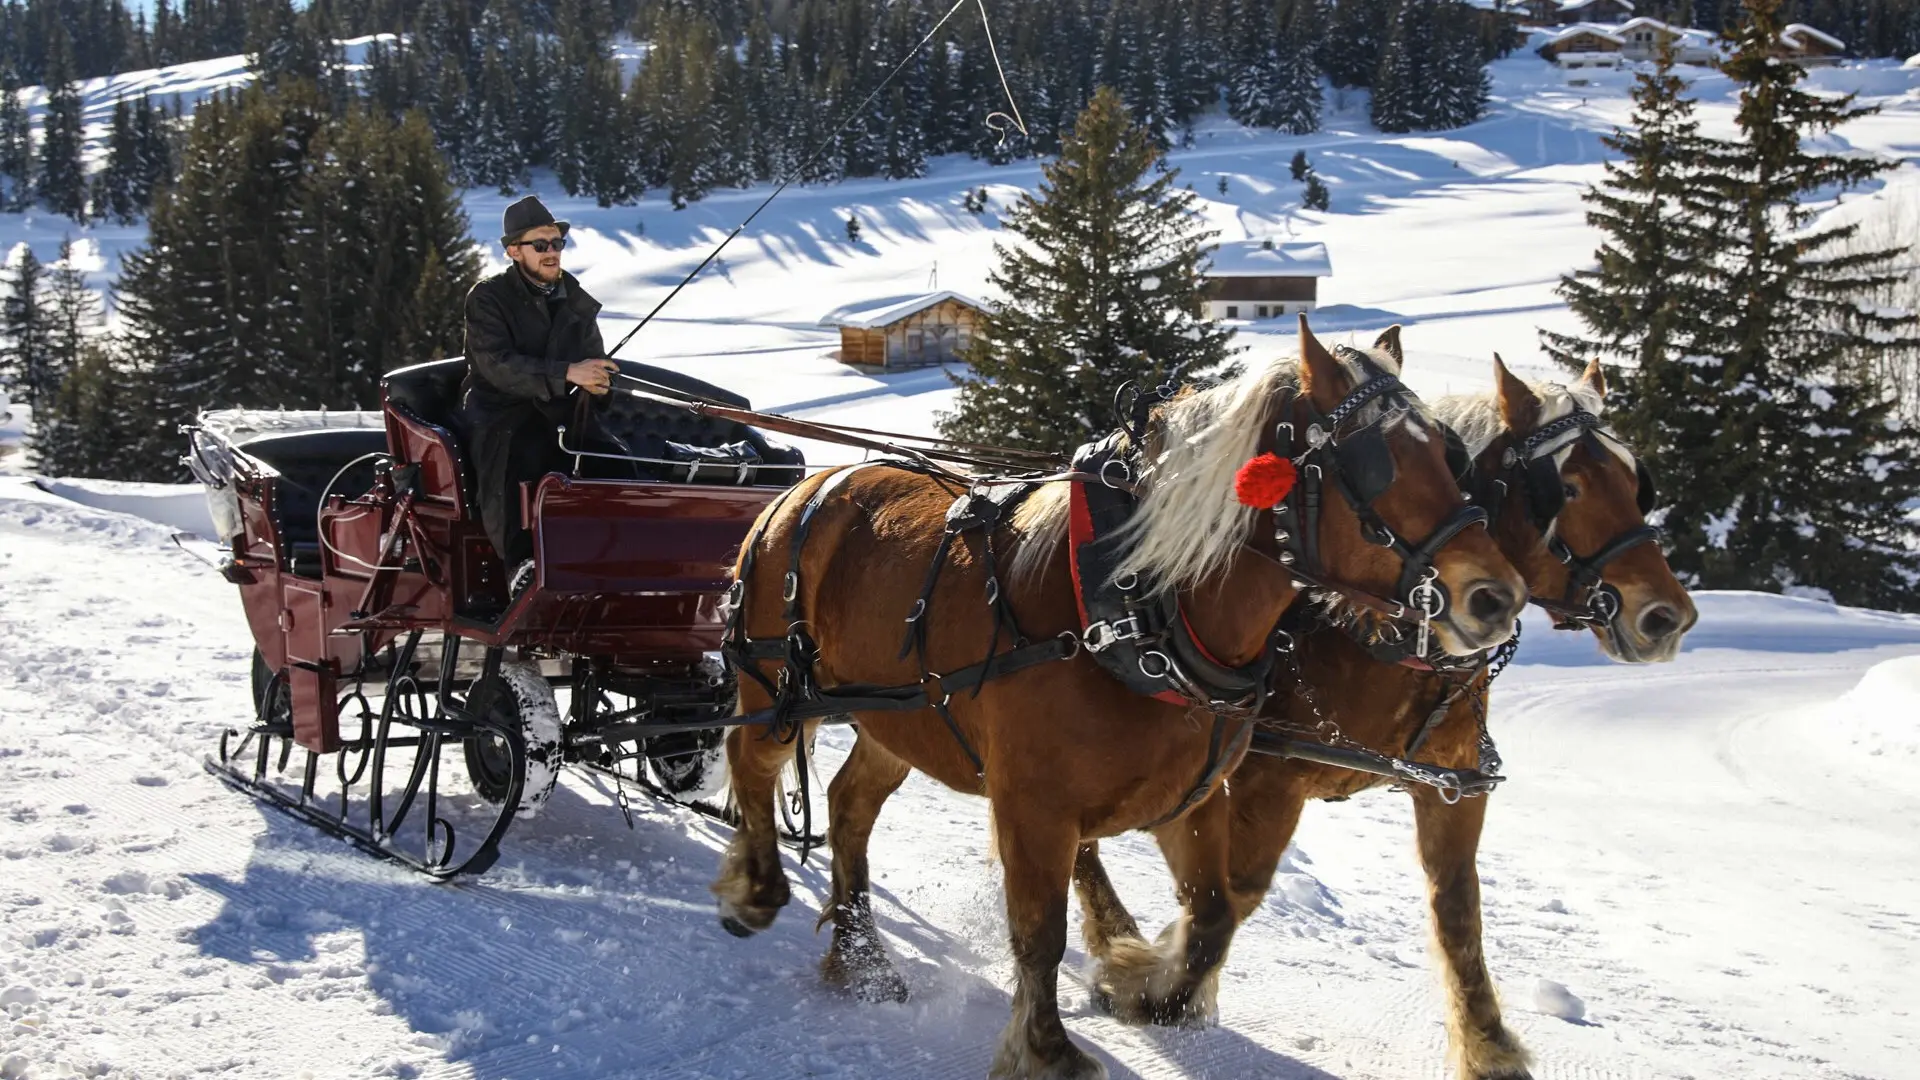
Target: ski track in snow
x=1716, y=857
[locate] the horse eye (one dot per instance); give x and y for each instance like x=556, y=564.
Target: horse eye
x=1572, y=491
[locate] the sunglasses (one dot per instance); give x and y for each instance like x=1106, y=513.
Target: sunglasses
x=543, y=246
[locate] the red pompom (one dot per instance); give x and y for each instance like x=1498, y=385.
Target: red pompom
x=1264, y=482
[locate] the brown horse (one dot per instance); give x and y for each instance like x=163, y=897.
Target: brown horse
x=1066, y=752
x=1593, y=518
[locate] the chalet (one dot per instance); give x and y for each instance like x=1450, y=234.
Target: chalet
x=1808, y=47
x=1584, y=46
x=1643, y=38
x=906, y=331
x=1259, y=279
x=1567, y=12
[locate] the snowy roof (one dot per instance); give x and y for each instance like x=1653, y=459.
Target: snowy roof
x=1596, y=30
x=1912, y=61
x=874, y=314
x=1793, y=32
x=1576, y=5
x=1683, y=32
x=1261, y=258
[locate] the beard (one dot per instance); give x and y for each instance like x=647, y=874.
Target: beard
x=545, y=275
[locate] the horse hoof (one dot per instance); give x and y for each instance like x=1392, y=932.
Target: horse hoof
x=745, y=921
x=880, y=987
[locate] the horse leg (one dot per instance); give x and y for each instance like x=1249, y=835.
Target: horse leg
x=1175, y=980
x=856, y=962
x=1449, y=838
x=1036, y=852
x=752, y=886
x=1265, y=812
x=1104, y=917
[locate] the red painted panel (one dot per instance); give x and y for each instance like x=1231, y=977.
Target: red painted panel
x=602, y=536
x=316, y=710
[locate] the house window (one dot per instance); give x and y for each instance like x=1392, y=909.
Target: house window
x=1263, y=311
x=1233, y=311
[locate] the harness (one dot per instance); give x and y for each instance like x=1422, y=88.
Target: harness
x=1589, y=600
x=1360, y=468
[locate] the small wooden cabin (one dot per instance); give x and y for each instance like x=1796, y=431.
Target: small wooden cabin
x=1259, y=279
x=1809, y=47
x=900, y=332
x=1581, y=46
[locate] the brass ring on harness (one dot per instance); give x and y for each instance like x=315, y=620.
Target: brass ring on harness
x=1126, y=474
x=791, y=586
x=1166, y=664
x=1072, y=639
x=1127, y=582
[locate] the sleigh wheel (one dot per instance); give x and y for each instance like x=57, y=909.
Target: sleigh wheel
x=517, y=699
x=689, y=765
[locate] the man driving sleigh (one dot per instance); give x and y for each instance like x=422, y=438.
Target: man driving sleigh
x=531, y=336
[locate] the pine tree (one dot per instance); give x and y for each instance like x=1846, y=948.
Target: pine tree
x=1299, y=167
x=1316, y=196
x=24, y=351
x=1398, y=102
x=1355, y=41
x=72, y=315
x=153, y=163
x=1647, y=275
x=16, y=147
x=1296, y=107
x=1806, y=483
x=114, y=186
x=62, y=180
x=853, y=228
x=1104, y=287
x=86, y=430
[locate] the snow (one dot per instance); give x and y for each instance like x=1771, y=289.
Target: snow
x=1792, y=32
x=1264, y=258
x=875, y=314
x=1552, y=999
x=1710, y=851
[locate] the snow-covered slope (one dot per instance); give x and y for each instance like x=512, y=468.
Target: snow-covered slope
x=1716, y=857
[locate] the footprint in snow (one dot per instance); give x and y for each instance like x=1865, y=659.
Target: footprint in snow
x=151, y=781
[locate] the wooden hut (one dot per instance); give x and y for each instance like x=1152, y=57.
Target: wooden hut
x=906, y=331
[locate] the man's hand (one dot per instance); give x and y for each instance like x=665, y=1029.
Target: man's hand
x=593, y=376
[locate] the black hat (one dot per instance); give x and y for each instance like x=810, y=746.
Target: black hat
x=526, y=215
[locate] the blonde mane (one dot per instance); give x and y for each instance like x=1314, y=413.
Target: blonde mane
x=1189, y=525
x=1477, y=420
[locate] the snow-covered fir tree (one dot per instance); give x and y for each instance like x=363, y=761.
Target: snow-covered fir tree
x=1103, y=287
x=25, y=352
x=1815, y=473
x=60, y=181
x=16, y=146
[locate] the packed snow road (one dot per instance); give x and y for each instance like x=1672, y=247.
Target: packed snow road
x=1708, y=869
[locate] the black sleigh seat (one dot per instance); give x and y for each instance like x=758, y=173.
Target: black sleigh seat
x=679, y=445
x=307, y=463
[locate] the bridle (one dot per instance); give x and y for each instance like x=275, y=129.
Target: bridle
x=1359, y=466
x=1528, y=465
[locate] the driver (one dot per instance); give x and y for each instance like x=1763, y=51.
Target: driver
x=531, y=335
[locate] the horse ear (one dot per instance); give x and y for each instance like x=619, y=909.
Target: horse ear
x=1320, y=374
x=1519, y=408
x=1594, y=380
x=1389, y=343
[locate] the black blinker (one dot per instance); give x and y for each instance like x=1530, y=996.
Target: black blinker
x=1366, y=463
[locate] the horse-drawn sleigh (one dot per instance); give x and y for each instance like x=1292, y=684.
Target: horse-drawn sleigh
x=1278, y=579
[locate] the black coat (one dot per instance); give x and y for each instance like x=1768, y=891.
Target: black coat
x=519, y=346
